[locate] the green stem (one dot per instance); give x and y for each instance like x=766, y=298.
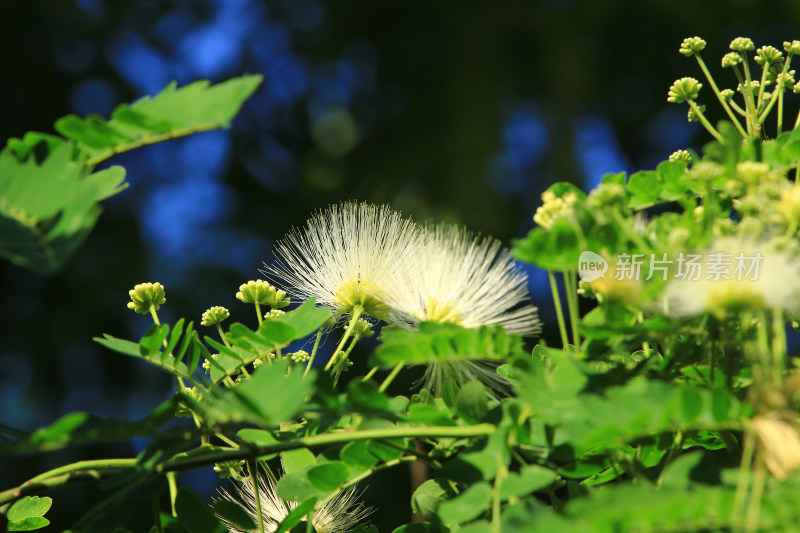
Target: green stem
x=370, y=374
x=145, y=140
x=313, y=352
x=252, y=466
x=222, y=335
x=396, y=370
x=722, y=101
x=749, y=95
x=258, y=313
x=754, y=507
x=172, y=481
x=775, y=95
x=98, y=469
x=778, y=345
x=571, y=287
x=154, y=314
x=628, y=230
x=498, y=480
x=704, y=121
x=357, y=310
x=562, y=328
x=341, y=365
x=764, y=351
x=744, y=473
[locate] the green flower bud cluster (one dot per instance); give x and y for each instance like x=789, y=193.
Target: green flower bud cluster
x=207, y=365
x=607, y=195
x=692, y=45
x=299, y=357
x=681, y=155
x=683, y=90
x=792, y=47
x=262, y=293
x=767, y=55
x=146, y=296
x=731, y=59
x=273, y=314
x=340, y=358
x=554, y=207
x=363, y=329
x=742, y=44
x=263, y=357
x=229, y=469
x=214, y=316
x=183, y=410
x=694, y=113
x=754, y=85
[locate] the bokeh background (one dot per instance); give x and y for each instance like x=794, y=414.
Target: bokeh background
x=453, y=110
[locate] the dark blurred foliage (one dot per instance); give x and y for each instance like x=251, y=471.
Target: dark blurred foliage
x=455, y=110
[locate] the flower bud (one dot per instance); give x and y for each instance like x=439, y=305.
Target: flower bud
x=742, y=44
x=146, y=295
x=214, y=315
x=692, y=45
x=684, y=89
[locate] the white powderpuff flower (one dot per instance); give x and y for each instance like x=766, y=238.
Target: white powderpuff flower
x=340, y=514
x=465, y=280
x=756, y=275
x=346, y=256
x=468, y=281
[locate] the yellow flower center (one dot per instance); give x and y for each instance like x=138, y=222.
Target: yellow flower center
x=360, y=293
x=731, y=295
x=440, y=311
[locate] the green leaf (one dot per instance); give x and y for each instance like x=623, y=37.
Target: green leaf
x=467, y=506
x=443, y=342
x=235, y=514
x=306, y=319
x=296, y=516
x=151, y=349
x=172, y=113
x=529, y=479
x=28, y=524
x=195, y=514
x=328, y=476
x=79, y=427
x=296, y=486
x=471, y=403
x=556, y=249
x=428, y=497
x=422, y=527
x=40, y=231
x=357, y=454
x=28, y=507
x=295, y=460
x=365, y=396
x=259, y=437
x=249, y=402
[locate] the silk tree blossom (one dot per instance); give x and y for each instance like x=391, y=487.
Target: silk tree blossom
x=347, y=256
x=340, y=514
x=760, y=275
x=465, y=280
x=469, y=281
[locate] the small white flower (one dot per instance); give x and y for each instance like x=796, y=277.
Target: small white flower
x=468, y=281
x=769, y=278
x=346, y=256
x=337, y=515
x=464, y=280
